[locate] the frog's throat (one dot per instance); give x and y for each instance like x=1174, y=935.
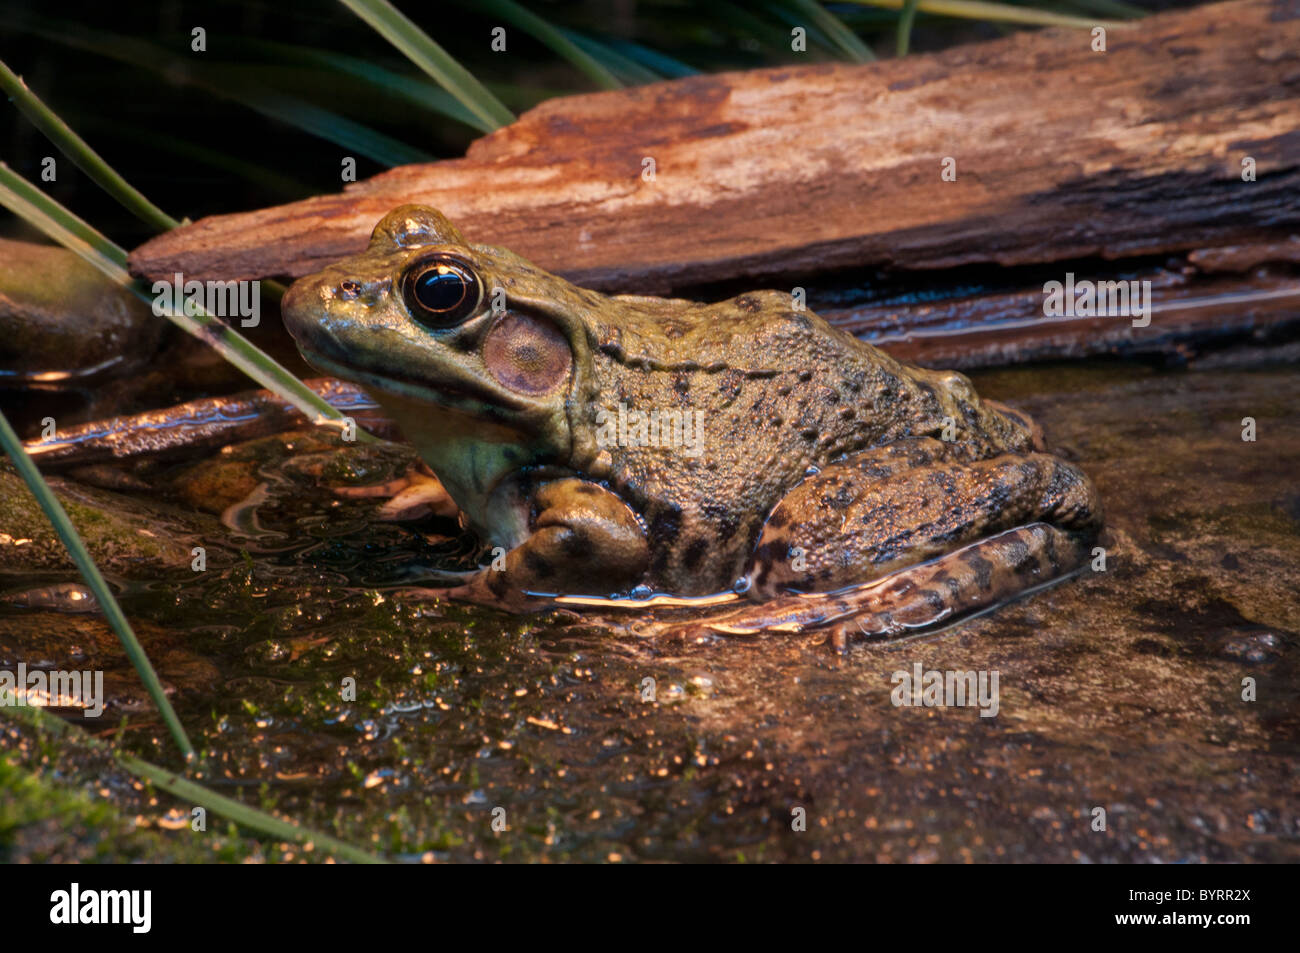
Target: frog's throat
x=475, y=459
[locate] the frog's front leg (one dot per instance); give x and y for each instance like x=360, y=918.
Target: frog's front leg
x=583, y=539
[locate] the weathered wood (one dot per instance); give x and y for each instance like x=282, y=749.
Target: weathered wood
x=1061, y=152
x=1190, y=313
x=829, y=177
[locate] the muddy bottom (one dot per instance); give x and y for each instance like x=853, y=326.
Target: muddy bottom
x=1149, y=711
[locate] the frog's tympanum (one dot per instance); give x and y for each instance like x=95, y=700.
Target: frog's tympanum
x=634, y=448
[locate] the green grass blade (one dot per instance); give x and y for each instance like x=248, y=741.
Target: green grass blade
x=264, y=177
x=995, y=12
x=765, y=35
x=416, y=45
x=833, y=28
x=661, y=64
x=385, y=82
x=558, y=41
x=905, y=21
x=328, y=125
x=76, y=149
x=34, y=206
x=628, y=70
x=58, y=518
x=1114, y=8
x=196, y=794
x=241, y=813
x=233, y=81
x=69, y=231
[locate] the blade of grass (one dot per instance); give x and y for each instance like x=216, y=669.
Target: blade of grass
x=76, y=149
x=264, y=177
x=835, y=30
x=660, y=63
x=58, y=223
x=58, y=518
x=816, y=36
x=558, y=41
x=34, y=206
x=905, y=20
x=416, y=45
x=231, y=81
x=628, y=70
x=524, y=96
x=419, y=92
x=242, y=814
x=996, y=12
x=332, y=127
x=1114, y=8
x=764, y=35
x=89, y=161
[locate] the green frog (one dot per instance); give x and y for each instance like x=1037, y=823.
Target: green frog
x=648, y=452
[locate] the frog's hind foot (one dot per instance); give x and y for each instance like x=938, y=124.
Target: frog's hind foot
x=907, y=602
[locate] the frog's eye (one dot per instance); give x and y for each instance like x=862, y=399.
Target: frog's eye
x=441, y=292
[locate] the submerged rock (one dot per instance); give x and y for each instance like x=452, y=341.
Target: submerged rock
x=63, y=322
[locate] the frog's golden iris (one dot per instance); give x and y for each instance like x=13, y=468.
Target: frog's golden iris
x=441, y=291
x=826, y=466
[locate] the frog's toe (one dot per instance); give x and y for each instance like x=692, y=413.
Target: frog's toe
x=416, y=494
x=423, y=495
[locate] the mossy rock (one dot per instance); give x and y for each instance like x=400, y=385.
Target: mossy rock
x=121, y=535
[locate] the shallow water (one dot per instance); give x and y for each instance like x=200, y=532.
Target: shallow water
x=1120, y=690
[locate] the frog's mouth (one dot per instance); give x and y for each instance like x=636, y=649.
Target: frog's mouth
x=466, y=395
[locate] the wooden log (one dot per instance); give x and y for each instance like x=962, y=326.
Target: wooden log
x=1061, y=152
x=824, y=175
x=1190, y=313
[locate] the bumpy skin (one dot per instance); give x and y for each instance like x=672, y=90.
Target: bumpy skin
x=830, y=442
x=908, y=501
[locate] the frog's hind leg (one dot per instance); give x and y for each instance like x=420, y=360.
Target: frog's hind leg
x=907, y=537
x=893, y=507
x=918, y=598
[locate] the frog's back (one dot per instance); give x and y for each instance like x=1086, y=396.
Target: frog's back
x=764, y=394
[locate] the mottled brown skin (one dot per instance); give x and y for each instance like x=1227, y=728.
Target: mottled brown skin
x=905, y=502
x=825, y=463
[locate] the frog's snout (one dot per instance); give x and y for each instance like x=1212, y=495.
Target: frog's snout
x=300, y=309
x=291, y=305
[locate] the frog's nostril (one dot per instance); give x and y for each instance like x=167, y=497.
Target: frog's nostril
x=349, y=289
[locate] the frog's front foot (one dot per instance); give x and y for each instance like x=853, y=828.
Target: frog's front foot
x=581, y=538
x=473, y=592
x=416, y=494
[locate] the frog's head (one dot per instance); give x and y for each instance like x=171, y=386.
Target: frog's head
x=423, y=315
x=430, y=323
x=478, y=354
